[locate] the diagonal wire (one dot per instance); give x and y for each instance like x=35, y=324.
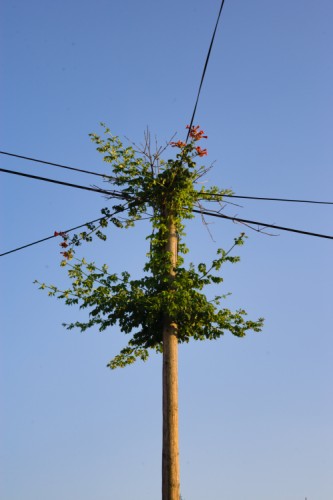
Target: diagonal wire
x=202, y=212
x=262, y=198
x=273, y=226
x=62, y=183
x=258, y=198
x=204, y=70
x=53, y=164
x=48, y=238
x=66, y=231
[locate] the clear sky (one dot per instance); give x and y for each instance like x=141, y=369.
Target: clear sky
x=256, y=413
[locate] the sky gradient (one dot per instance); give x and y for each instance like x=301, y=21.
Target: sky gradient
x=255, y=413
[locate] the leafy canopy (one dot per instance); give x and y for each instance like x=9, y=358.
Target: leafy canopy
x=168, y=191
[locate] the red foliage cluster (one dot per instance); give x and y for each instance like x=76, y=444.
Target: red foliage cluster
x=64, y=243
x=201, y=152
x=178, y=144
x=62, y=234
x=197, y=134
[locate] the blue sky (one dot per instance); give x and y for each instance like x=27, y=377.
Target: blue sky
x=256, y=413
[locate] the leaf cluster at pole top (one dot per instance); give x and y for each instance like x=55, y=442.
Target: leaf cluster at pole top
x=166, y=190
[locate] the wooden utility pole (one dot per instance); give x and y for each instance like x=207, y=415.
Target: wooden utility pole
x=170, y=453
x=166, y=305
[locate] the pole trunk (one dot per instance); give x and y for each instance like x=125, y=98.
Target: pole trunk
x=170, y=453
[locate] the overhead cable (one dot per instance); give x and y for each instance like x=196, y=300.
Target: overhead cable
x=201, y=212
x=55, y=235
x=263, y=224
x=264, y=198
x=204, y=70
x=218, y=195
x=115, y=194
x=54, y=164
x=48, y=238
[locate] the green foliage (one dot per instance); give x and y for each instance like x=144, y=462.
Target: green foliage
x=166, y=190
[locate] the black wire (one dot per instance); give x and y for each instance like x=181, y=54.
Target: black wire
x=204, y=70
x=261, y=198
x=53, y=164
x=55, y=235
x=48, y=238
x=264, y=225
x=202, y=212
x=121, y=196
x=258, y=198
x=69, y=184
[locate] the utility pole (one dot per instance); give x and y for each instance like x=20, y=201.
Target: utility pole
x=167, y=305
x=170, y=453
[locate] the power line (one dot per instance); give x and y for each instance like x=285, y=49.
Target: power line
x=204, y=212
x=115, y=194
x=263, y=224
x=262, y=198
x=204, y=70
x=257, y=198
x=53, y=164
x=48, y=238
x=55, y=235
x=201, y=212
x=247, y=197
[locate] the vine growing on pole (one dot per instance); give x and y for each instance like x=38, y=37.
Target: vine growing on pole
x=168, y=305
